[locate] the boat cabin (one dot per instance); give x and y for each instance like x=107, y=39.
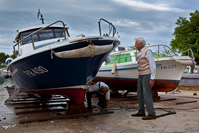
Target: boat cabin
x=35, y=37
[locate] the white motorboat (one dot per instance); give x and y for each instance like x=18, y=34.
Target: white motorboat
x=50, y=62
x=121, y=73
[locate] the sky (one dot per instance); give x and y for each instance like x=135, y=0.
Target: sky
x=154, y=20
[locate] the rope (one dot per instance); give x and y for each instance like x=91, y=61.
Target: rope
x=91, y=47
x=51, y=53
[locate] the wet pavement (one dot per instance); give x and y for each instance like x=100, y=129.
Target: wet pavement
x=184, y=103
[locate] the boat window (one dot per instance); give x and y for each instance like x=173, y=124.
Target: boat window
x=43, y=35
x=29, y=40
x=59, y=33
x=46, y=34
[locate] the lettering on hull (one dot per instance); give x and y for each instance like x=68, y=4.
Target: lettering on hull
x=168, y=67
x=36, y=71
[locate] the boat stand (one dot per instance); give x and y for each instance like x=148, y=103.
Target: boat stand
x=155, y=96
x=13, y=92
x=35, y=108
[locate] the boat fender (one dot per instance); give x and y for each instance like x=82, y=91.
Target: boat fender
x=108, y=59
x=88, y=51
x=113, y=68
x=8, y=60
x=7, y=76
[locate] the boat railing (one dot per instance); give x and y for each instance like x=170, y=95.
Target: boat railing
x=112, y=28
x=189, y=52
x=43, y=28
x=120, y=57
x=159, y=45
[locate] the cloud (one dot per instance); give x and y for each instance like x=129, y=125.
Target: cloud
x=151, y=27
x=4, y=44
x=5, y=47
x=3, y=39
x=142, y=26
x=143, y=6
x=125, y=23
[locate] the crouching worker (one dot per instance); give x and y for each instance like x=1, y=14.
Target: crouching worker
x=102, y=92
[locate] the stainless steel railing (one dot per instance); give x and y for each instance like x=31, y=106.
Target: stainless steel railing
x=31, y=35
x=189, y=51
x=112, y=28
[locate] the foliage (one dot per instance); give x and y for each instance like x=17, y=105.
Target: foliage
x=187, y=34
x=13, y=54
x=132, y=47
x=3, y=57
x=167, y=52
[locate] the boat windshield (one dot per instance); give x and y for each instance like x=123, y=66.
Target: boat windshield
x=46, y=34
x=29, y=40
x=42, y=35
x=59, y=33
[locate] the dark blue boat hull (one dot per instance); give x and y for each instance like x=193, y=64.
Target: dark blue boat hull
x=41, y=74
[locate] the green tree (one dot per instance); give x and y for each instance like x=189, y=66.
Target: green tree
x=132, y=47
x=13, y=56
x=3, y=57
x=187, y=34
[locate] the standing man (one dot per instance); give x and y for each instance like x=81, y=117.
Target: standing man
x=147, y=70
x=102, y=92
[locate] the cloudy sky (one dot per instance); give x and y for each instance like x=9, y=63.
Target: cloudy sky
x=152, y=19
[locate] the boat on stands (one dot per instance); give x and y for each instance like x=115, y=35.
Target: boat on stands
x=49, y=61
x=122, y=72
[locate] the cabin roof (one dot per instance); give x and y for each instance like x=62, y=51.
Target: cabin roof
x=36, y=27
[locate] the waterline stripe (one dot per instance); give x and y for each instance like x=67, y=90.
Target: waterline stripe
x=124, y=68
x=135, y=78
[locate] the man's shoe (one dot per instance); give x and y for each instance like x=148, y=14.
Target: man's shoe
x=149, y=117
x=138, y=115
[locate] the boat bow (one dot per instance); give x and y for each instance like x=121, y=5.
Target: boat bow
x=185, y=61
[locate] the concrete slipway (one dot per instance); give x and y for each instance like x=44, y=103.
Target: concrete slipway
x=186, y=119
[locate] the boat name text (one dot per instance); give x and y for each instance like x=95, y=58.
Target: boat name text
x=36, y=71
x=168, y=67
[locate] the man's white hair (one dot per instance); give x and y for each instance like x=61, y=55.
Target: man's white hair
x=140, y=40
